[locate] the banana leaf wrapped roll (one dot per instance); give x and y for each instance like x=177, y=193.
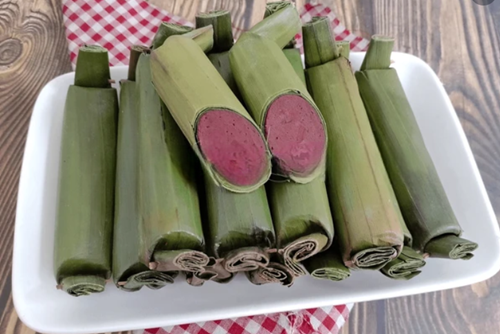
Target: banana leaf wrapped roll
x=366, y=214
x=172, y=234
x=223, y=41
x=422, y=198
x=328, y=265
x=239, y=228
x=302, y=221
x=130, y=268
x=84, y=218
x=280, y=104
x=228, y=143
x=290, y=51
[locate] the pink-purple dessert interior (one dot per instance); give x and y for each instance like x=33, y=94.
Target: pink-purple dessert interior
x=233, y=145
x=295, y=134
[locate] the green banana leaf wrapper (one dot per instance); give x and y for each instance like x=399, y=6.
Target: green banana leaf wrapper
x=130, y=268
x=191, y=87
x=221, y=23
x=366, y=214
x=290, y=51
x=280, y=24
x=165, y=30
x=264, y=74
x=408, y=264
x=204, y=36
x=295, y=59
x=84, y=218
x=274, y=272
x=223, y=41
x=276, y=6
x=422, y=198
x=328, y=265
x=239, y=229
x=302, y=221
x=171, y=229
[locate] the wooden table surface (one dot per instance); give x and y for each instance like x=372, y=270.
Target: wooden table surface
x=458, y=38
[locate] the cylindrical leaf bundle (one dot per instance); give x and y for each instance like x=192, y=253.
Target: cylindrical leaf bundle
x=424, y=204
x=172, y=234
x=366, y=213
x=82, y=250
x=239, y=226
x=302, y=221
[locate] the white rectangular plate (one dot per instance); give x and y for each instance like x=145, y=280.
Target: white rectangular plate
x=44, y=308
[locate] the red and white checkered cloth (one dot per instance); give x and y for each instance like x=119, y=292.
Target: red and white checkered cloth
x=119, y=24
x=324, y=320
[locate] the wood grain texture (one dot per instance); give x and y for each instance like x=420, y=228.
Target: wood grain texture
x=460, y=40
x=33, y=50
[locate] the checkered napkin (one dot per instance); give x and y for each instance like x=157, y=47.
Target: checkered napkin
x=324, y=320
x=119, y=24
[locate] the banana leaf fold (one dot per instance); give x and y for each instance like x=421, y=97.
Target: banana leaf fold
x=328, y=265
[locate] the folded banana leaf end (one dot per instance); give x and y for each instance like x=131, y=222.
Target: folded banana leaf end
x=152, y=279
x=331, y=274
x=183, y=260
x=92, y=67
x=245, y=259
x=302, y=249
x=319, y=45
x=406, y=266
x=274, y=272
x=82, y=285
x=373, y=258
x=451, y=247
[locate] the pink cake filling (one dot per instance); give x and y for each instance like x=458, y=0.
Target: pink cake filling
x=295, y=135
x=233, y=145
